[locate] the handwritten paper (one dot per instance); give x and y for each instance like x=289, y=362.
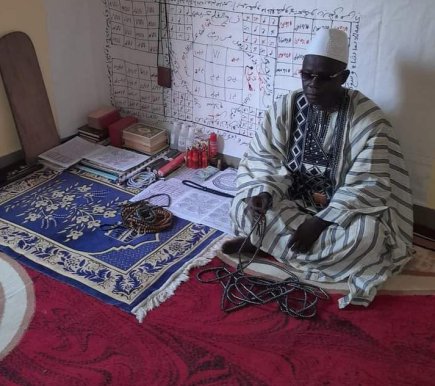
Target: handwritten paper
x=229, y=60
x=172, y=187
x=223, y=181
x=187, y=174
x=189, y=203
x=70, y=152
x=202, y=207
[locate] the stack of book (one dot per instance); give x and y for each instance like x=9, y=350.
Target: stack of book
x=114, y=163
x=103, y=117
x=94, y=135
x=146, y=139
x=116, y=128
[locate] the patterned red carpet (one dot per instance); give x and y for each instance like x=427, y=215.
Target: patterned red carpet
x=74, y=339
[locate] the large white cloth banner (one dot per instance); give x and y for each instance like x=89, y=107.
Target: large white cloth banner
x=229, y=60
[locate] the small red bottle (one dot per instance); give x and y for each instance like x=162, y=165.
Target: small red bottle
x=189, y=158
x=195, y=158
x=212, y=146
x=204, y=156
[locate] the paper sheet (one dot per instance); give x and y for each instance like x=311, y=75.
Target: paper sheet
x=224, y=181
x=219, y=218
x=187, y=174
x=189, y=203
x=172, y=187
x=204, y=208
x=70, y=152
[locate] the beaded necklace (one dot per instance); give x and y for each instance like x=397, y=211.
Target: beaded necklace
x=143, y=217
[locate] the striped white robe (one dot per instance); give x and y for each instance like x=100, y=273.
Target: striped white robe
x=371, y=207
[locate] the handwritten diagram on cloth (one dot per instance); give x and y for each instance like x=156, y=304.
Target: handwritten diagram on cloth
x=230, y=60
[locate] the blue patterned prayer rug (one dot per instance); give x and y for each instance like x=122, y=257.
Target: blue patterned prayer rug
x=51, y=222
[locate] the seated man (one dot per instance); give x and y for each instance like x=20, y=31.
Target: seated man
x=326, y=171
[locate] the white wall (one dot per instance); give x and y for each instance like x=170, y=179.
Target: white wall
x=76, y=31
x=403, y=75
x=28, y=17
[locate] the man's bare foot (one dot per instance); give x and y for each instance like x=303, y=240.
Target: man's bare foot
x=234, y=245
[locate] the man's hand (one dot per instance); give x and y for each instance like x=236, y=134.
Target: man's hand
x=258, y=205
x=307, y=233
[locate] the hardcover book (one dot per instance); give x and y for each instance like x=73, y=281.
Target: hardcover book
x=116, y=129
x=150, y=150
x=103, y=117
x=92, y=132
x=144, y=134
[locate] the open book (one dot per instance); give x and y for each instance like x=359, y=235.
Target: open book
x=69, y=153
x=107, y=157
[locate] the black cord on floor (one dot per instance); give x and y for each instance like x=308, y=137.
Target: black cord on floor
x=295, y=298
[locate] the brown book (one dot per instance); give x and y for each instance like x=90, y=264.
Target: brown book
x=103, y=117
x=150, y=150
x=92, y=132
x=116, y=129
x=90, y=139
x=160, y=142
x=144, y=134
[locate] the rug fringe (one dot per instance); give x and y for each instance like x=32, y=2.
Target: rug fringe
x=155, y=299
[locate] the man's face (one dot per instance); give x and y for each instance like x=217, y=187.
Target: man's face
x=322, y=80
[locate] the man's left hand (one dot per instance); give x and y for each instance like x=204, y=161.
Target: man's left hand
x=307, y=233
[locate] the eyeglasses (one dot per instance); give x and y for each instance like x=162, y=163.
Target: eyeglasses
x=320, y=77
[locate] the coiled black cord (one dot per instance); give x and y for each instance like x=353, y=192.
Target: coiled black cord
x=295, y=298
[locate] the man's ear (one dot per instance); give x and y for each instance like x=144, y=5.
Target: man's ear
x=344, y=76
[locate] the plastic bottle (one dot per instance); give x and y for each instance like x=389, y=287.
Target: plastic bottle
x=175, y=132
x=182, y=139
x=212, y=146
x=190, y=137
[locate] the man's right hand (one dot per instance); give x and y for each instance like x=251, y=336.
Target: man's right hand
x=258, y=205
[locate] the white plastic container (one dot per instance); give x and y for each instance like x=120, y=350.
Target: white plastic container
x=182, y=139
x=190, y=137
x=175, y=132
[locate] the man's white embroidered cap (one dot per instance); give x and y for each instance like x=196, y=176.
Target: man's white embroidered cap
x=332, y=43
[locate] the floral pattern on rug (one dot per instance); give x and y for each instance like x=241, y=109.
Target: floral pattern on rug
x=53, y=222
x=55, y=204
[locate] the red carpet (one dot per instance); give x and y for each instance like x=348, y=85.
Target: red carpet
x=75, y=339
